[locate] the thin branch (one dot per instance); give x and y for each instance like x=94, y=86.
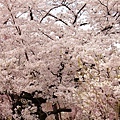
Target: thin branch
x=102, y=3
x=106, y=6
x=21, y=14
x=16, y=27
x=76, y=16
x=118, y=16
x=59, y=110
x=19, y=60
x=83, y=24
x=69, y=9
x=49, y=14
x=81, y=8
x=31, y=13
x=46, y=34
x=59, y=72
x=107, y=28
x=59, y=19
x=43, y=17
x=26, y=55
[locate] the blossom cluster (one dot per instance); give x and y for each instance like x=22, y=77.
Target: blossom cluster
x=53, y=69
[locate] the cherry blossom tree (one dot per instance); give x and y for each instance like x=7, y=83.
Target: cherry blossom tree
x=60, y=59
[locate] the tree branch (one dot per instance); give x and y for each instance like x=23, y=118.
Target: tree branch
x=108, y=13
x=31, y=13
x=59, y=110
x=49, y=14
x=76, y=16
x=16, y=27
x=46, y=34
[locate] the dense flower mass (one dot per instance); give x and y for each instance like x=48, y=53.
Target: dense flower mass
x=60, y=60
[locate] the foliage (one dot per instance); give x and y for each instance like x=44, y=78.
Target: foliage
x=49, y=58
